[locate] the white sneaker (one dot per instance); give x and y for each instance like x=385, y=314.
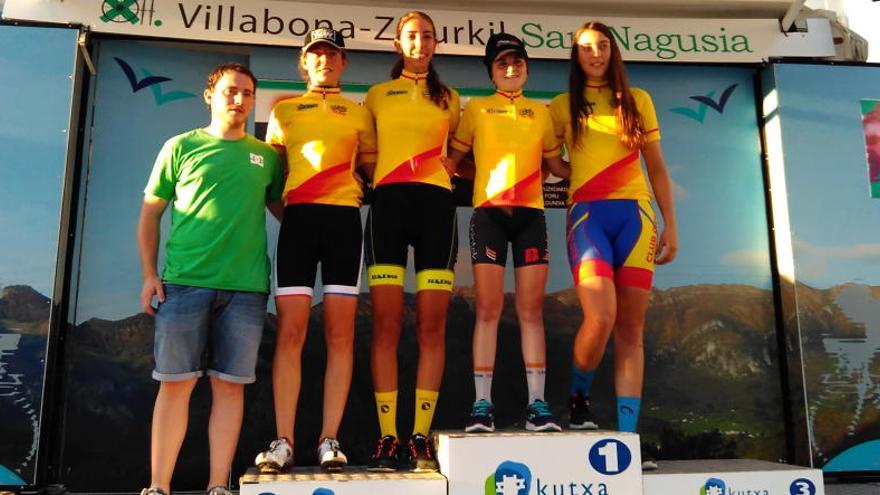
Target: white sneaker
x=278, y=458
x=218, y=490
x=329, y=455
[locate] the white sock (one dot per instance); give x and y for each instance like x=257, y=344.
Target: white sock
x=483, y=385
x=535, y=380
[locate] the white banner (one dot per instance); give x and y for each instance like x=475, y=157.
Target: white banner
x=462, y=33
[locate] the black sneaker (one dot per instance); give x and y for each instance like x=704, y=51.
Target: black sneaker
x=385, y=458
x=580, y=414
x=482, y=419
x=421, y=454
x=540, y=418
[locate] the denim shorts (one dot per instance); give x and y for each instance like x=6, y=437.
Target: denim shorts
x=193, y=320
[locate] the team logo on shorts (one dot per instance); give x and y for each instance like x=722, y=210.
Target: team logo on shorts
x=426, y=406
x=491, y=254
x=256, y=160
x=531, y=254
x=384, y=408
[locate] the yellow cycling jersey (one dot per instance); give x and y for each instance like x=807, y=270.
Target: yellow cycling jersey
x=412, y=131
x=602, y=167
x=323, y=133
x=509, y=134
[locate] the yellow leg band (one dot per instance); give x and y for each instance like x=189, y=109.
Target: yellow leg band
x=385, y=275
x=435, y=280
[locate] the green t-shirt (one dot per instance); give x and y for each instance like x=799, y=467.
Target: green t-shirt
x=218, y=190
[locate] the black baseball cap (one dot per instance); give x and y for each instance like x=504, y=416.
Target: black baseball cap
x=324, y=35
x=501, y=43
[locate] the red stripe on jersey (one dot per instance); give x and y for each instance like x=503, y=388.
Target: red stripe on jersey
x=511, y=194
x=320, y=184
x=608, y=180
x=412, y=170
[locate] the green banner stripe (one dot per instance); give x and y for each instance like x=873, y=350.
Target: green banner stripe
x=362, y=88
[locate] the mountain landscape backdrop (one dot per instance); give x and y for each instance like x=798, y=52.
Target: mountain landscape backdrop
x=712, y=387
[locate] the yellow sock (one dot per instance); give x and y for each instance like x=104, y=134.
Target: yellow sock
x=426, y=401
x=386, y=406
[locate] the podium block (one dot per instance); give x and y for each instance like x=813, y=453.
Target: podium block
x=732, y=477
x=520, y=463
x=352, y=481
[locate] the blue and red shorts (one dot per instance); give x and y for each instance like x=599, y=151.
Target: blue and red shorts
x=612, y=238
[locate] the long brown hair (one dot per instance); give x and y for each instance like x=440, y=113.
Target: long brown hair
x=439, y=92
x=631, y=126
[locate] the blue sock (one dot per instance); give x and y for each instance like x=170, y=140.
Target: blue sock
x=581, y=381
x=628, y=413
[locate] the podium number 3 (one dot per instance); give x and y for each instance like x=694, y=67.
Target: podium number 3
x=802, y=486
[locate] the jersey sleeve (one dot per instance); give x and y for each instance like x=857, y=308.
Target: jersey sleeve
x=649, y=115
x=463, y=139
x=370, y=103
x=454, y=111
x=274, y=132
x=550, y=144
x=367, y=146
x=276, y=186
x=164, y=175
x=558, y=112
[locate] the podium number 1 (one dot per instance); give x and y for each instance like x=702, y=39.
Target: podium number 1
x=610, y=456
x=609, y=452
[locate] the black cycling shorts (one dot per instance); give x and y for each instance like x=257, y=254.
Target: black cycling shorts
x=318, y=233
x=417, y=215
x=525, y=229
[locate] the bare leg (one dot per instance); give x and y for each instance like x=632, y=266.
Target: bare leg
x=224, y=427
x=431, y=309
x=530, y=283
x=489, y=283
x=293, y=320
x=599, y=305
x=629, y=351
x=387, y=315
x=170, y=417
x=339, y=313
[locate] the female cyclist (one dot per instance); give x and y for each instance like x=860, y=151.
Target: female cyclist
x=613, y=245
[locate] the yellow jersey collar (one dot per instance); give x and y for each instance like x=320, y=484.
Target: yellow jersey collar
x=509, y=95
x=414, y=76
x=596, y=84
x=323, y=91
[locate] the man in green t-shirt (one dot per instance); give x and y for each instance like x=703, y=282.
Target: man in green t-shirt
x=214, y=287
